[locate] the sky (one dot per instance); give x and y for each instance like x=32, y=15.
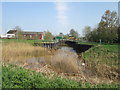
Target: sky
x=53, y=16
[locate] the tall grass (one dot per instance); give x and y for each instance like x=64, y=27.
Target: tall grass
x=61, y=61
x=64, y=62
x=19, y=52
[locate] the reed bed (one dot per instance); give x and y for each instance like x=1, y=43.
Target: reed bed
x=64, y=62
x=19, y=52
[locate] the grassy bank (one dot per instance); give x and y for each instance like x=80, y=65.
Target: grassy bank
x=106, y=54
x=17, y=77
x=103, y=60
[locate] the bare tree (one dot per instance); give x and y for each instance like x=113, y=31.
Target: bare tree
x=19, y=34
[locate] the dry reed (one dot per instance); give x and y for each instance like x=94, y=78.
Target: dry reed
x=19, y=52
x=64, y=61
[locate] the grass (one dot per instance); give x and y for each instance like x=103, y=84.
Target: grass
x=24, y=41
x=103, y=59
x=17, y=77
x=19, y=51
x=20, y=40
x=94, y=43
x=107, y=54
x=112, y=48
x=89, y=43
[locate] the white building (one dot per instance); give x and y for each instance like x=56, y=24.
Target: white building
x=7, y=35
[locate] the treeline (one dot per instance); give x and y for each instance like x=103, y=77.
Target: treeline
x=107, y=30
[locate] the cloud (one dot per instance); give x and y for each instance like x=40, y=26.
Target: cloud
x=62, y=9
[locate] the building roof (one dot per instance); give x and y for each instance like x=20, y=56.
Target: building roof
x=32, y=32
x=24, y=32
x=11, y=31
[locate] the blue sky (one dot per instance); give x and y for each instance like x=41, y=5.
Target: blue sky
x=55, y=17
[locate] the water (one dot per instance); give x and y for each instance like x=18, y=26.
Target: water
x=65, y=48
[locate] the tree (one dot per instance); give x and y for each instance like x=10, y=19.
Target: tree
x=109, y=19
x=93, y=35
x=74, y=33
x=86, y=32
x=108, y=26
x=66, y=36
x=61, y=34
x=107, y=30
x=48, y=35
x=19, y=34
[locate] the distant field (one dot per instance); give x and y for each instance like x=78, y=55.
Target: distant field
x=89, y=43
x=23, y=41
x=94, y=43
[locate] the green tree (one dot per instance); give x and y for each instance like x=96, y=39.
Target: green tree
x=108, y=27
x=61, y=35
x=86, y=32
x=48, y=35
x=94, y=35
x=74, y=33
x=66, y=36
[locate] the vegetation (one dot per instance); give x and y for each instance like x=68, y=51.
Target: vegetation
x=74, y=33
x=107, y=30
x=86, y=32
x=48, y=36
x=19, y=34
x=17, y=77
x=104, y=53
x=63, y=62
x=6, y=41
x=103, y=59
x=18, y=52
